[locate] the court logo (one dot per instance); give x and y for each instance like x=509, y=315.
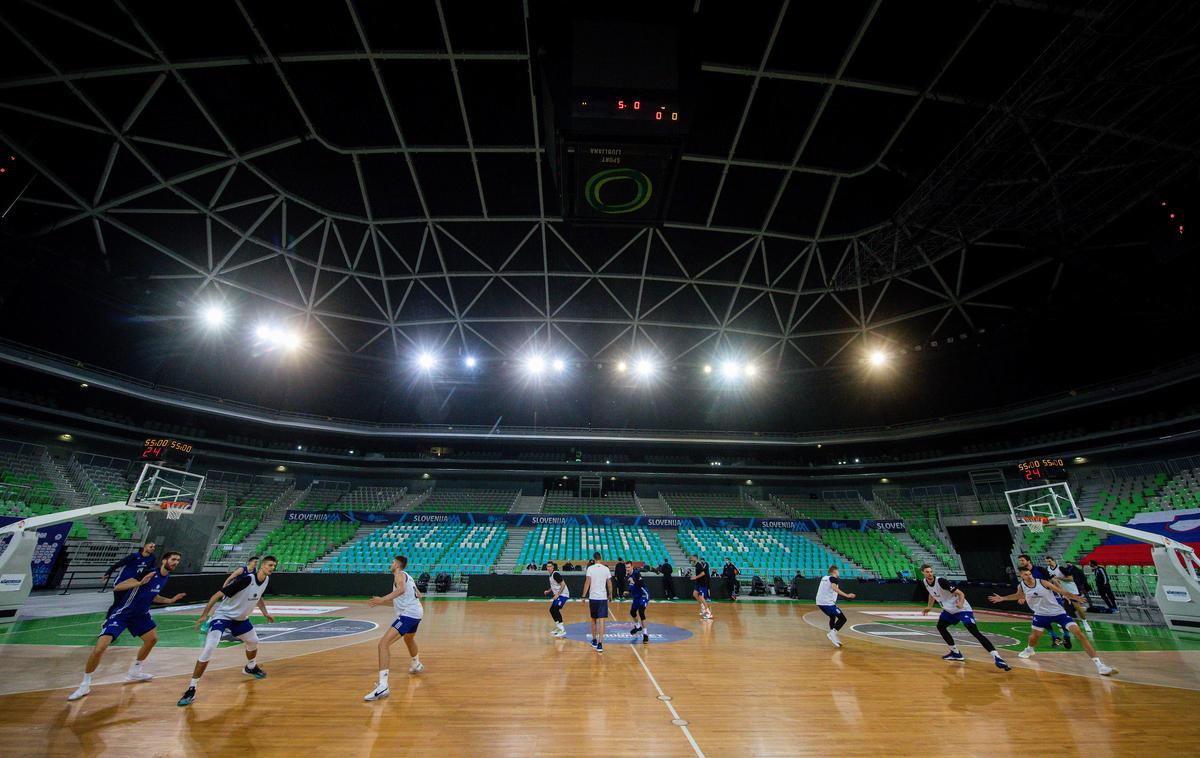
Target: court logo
x=618, y=633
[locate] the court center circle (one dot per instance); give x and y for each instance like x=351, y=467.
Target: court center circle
x=617, y=633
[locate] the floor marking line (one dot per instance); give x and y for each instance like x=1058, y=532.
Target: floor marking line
x=289, y=631
x=686, y=732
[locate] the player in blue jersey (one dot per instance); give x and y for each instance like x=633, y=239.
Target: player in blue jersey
x=133, y=614
x=1040, y=574
x=701, y=578
x=132, y=566
x=955, y=610
x=640, y=595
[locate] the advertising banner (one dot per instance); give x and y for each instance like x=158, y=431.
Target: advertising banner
x=50, y=543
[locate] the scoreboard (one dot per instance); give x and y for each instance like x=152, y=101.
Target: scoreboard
x=157, y=450
x=1042, y=469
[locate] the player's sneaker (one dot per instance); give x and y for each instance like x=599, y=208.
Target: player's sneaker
x=553, y=631
x=635, y=631
x=594, y=643
x=204, y=627
x=953, y=655
x=1001, y=664
x=188, y=697
x=1105, y=670
x=255, y=672
x=833, y=637
x=378, y=693
x=1067, y=642
x=138, y=676
x=1055, y=642
x=559, y=633
x=600, y=648
x=416, y=668
x=645, y=639
x=81, y=692
x=1087, y=627
x=1027, y=653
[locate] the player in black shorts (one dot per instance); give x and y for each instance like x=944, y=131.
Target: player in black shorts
x=701, y=577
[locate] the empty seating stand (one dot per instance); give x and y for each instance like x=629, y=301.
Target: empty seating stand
x=612, y=503
x=765, y=552
x=468, y=501
x=576, y=543
x=709, y=506
x=452, y=548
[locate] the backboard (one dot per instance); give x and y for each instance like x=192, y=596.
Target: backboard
x=169, y=489
x=1045, y=504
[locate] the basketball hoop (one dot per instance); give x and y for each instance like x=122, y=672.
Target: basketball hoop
x=174, y=509
x=1035, y=524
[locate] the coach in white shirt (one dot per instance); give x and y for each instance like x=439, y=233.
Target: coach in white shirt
x=597, y=588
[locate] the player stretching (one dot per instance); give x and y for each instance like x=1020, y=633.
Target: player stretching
x=558, y=588
x=1060, y=576
x=827, y=595
x=597, y=588
x=237, y=600
x=1039, y=595
x=640, y=594
x=955, y=610
x=700, y=575
x=406, y=600
x=134, y=614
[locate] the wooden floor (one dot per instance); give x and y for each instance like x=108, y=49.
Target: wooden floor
x=759, y=680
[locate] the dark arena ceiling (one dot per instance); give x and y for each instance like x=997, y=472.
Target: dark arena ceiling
x=979, y=190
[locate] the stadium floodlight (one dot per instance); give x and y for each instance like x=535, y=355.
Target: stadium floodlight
x=645, y=368
x=621, y=366
x=707, y=369
x=535, y=364
x=292, y=340
x=730, y=370
x=560, y=365
x=470, y=361
x=426, y=361
x=878, y=358
x=214, y=316
x=265, y=332
x=750, y=369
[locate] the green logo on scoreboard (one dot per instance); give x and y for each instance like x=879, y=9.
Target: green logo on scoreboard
x=642, y=190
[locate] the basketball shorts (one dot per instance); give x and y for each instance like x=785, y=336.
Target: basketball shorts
x=137, y=624
x=960, y=617
x=703, y=591
x=235, y=628
x=599, y=608
x=832, y=611
x=640, y=601
x=1043, y=623
x=559, y=601
x=406, y=624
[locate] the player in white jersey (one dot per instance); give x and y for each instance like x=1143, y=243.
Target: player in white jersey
x=238, y=599
x=560, y=594
x=955, y=610
x=597, y=588
x=406, y=600
x=827, y=595
x=1039, y=594
x=1060, y=576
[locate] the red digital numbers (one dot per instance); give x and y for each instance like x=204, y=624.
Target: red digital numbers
x=637, y=105
x=620, y=105
x=658, y=115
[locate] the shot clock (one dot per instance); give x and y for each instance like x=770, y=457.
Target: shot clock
x=639, y=108
x=1041, y=469
x=161, y=449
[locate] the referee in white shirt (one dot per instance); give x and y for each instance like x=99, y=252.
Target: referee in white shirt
x=597, y=588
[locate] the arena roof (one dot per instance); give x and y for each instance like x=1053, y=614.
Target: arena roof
x=859, y=176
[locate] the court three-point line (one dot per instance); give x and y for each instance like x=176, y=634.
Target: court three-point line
x=667, y=702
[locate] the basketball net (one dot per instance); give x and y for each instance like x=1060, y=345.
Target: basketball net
x=173, y=509
x=1035, y=524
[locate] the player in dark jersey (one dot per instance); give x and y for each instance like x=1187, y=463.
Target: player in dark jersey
x=133, y=614
x=640, y=596
x=132, y=566
x=701, y=578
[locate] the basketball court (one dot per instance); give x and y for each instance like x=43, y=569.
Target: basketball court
x=760, y=678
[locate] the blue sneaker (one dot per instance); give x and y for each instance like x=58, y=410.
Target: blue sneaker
x=204, y=627
x=188, y=697
x=600, y=648
x=1067, y=641
x=594, y=643
x=255, y=672
x=953, y=655
x=1000, y=664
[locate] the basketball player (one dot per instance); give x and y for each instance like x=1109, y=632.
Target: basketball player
x=249, y=568
x=1039, y=594
x=700, y=575
x=597, y=588
x=237, y=600
x=406, y=600
x=1063, y=579
x=132, y=566
x=640, y=595
x=955, y=610
x=1039, y=573
x=561, y=594
x=133, y=614
x=827, y=595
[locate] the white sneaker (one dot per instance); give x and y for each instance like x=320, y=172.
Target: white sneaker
x=559, y=633
x=138, y=676
x=416, y=668
x=1087, y=627
x=82, y=691
x=1026, y=653
x=1105, y=670
x=554, y=631
x=833, y=637
x=379, y=692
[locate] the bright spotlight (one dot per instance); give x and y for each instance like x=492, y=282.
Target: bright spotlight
x=559, y=364
x=750, y=369
x=535, y=364
x=426, y=361
x=291, y=340
x=470, y=361
x=214, y=316
x=644, y=368
x=621, y=366
x=707, y=369
x=878, y=358
x=729, y=370
x=265, y=333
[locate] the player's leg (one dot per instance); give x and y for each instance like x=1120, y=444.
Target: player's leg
x=410, y=641
x=1081, y=615
x=633, y=614
x=1091, y=651
x=600, y=625
x=385, y=663
x=987, y=644
x=211, y=640
x=1035, y=634
x=149, y=640
x=250, y=645
x=556, y=607
x=645, y=634
x=945, y=621
x=102, y=643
